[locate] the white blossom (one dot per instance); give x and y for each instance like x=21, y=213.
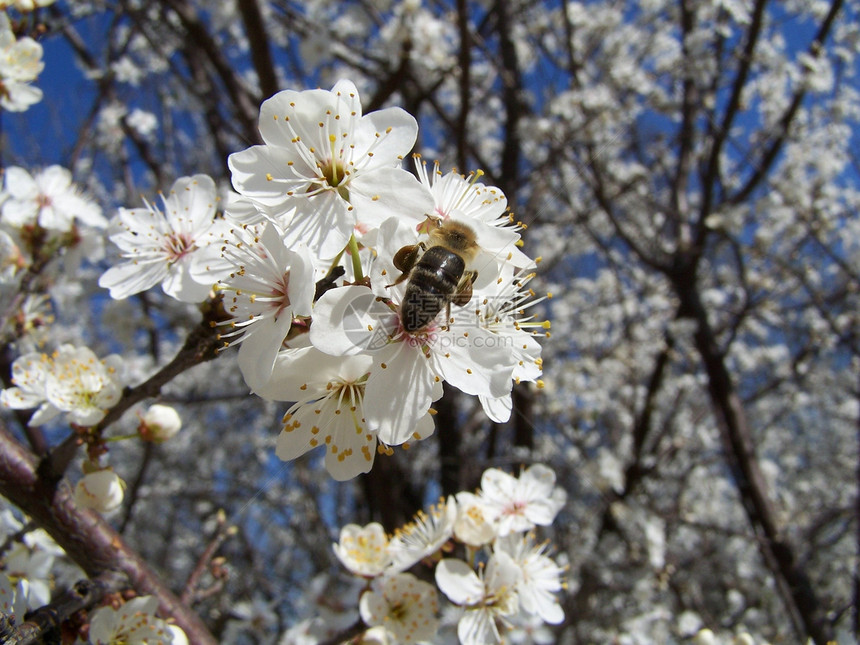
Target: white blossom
x=404, y=605
x=338, y=168
x=163, y=247
x=540, y=579
x=159, y=423
x=48, y=198
x=20, y=64
x=71, y=380
x=426, y=534
x=134, y=623
x=485, y=596
x=363, y=549
x=476, y=524
x=520, y=503
x=268, y=285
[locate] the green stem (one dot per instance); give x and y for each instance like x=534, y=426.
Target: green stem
x=356, y=260
x=122, y=437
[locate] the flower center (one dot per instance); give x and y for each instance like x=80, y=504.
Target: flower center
x=281, y=295
x=177, y=245
x=333, y=177
x=398, y=611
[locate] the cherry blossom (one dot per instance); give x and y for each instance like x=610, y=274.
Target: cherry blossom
x=540, y=579
x=71, y=380
x=520, y=503
x=134, y=623
x=48, y=198
x=404, y=605
x=486, y=596
x=423, y=536
x=336, y=167
x=162, y=247
x=100, y=490
x=20, y=64
x=363, y=549
x=159, y=423
x=268, y=285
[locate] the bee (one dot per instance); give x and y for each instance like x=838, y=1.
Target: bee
x=438, y=273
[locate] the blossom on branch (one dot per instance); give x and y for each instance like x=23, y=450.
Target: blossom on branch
x=101, y=491
x=404, y=605
x=163, y=247
x=268, y=285
x=134, y=623
x=20, y=64
x=48, y=199
x=485, y=596
x=521, y=503
x=338, y=168
x=71, y=380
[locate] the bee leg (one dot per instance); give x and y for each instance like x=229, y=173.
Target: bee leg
x=407, y=256
x=404, y=260
x=463, y=294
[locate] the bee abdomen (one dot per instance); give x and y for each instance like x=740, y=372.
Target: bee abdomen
x=432, y=283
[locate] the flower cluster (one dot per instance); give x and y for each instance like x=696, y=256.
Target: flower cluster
x=504, y=579
x=26, y=575
x=20, y=64
x=402, y=282
x=43, y=216
x=71, y=380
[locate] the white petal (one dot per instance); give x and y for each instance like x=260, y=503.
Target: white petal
x=399, y=394
x=257, y=173
x=349, y=321
x=458, y=581
x=473, y=360
x=389, y=192
x=323, y=222
x=478, y=627
x=259, y=349
x=129, y=278
x=498, y=408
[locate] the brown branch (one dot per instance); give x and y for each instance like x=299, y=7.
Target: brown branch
x=222, y=532
x=258, y=40
x=712, y=172
x=800, y=598
x=84, y=535
x=465, y=82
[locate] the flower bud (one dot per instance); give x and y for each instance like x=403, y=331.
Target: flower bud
x=160, y=423
x=101, y=491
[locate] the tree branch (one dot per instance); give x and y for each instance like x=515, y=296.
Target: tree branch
x=800, y=598
x=258, y=39
x=84, y=535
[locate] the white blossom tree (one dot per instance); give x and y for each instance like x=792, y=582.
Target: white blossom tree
x=204, y=220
